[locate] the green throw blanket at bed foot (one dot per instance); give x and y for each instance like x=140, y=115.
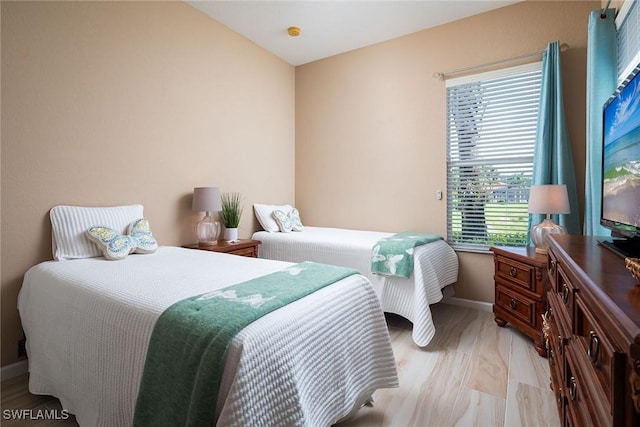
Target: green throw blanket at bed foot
x=393, y=255
x=190, y=340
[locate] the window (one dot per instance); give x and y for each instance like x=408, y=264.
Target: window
x=491, y=132
x=628, y=34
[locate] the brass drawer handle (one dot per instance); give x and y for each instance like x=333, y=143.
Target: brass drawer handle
x=513, y=272
x=594, y=347
x=513, y=303
x=560, y=346
x=550, y=313
x=573, y=389
x=552, y=266
x=565, y=293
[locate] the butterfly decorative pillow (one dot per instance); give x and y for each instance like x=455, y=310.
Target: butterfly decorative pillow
x=264, y=214
x=289, y=221
x=116, y=246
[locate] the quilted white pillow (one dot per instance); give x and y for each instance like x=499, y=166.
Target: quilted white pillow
x=70, y=223
x=264, y=213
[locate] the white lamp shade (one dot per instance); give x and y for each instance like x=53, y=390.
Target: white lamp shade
x=549, y=199
x=206, y=199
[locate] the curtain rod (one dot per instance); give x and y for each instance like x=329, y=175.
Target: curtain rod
x=443, y=74
x=603, y=15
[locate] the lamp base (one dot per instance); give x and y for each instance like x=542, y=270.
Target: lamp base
x=207, y=230
x=540, y=232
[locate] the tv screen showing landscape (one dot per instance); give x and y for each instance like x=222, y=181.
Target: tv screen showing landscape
x=621, y=158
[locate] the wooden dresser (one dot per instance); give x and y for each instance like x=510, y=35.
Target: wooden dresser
x=592, y=333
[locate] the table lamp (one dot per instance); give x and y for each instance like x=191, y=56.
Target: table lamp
x=207, y=199
x=547, y=199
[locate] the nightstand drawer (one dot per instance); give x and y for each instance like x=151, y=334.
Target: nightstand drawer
x=516, y=304
x=248, y=252
x=242, y=247
x=519, y=274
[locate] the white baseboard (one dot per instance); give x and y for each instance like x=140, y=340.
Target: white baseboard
x=14, y=370
x=468, y=303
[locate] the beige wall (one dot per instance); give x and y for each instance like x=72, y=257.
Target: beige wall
x=169, y=99
x=370, y=124
x=107, y=103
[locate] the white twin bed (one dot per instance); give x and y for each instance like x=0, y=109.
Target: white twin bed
x=435, y=268
x=88, y=323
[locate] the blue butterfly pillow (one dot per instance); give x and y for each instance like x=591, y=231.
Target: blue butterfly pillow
x=116, y=246
x=288, y=221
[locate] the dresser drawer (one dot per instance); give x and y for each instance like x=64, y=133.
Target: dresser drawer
x=557, y=339
x=566, y=291
x=556, y=347
x=579, y=412
x=559, y=314
x=552, y=263
x=515, y=272
x=600, y=358
x=517, y=305
x=583, y=391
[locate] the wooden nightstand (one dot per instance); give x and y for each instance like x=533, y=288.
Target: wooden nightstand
x=521, y=285
x=243, y=247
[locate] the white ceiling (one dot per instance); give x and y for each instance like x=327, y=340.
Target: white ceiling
x=332, y=27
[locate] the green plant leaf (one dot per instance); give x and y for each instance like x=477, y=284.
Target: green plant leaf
x=231, y=209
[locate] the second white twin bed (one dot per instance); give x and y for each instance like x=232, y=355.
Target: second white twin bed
x=435, y=268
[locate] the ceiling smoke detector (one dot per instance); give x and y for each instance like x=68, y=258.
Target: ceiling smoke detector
x=293, y=31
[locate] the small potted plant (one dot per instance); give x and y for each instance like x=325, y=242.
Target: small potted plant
x=230, y=215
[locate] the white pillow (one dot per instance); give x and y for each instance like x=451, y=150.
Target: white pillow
x=264, y=213
x=70, y=223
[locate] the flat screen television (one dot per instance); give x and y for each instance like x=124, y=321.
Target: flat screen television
x=621, y=167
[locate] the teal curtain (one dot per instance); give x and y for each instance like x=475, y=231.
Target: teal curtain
x=601, y=83
x=552, y=155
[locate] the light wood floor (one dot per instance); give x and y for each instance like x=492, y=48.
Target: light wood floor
x=473, y=373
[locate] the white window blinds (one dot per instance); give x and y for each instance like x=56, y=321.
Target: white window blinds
x=491, y=130
x=628, y=38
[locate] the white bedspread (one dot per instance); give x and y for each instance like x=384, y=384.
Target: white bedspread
x=435, y=267
x=88, y=323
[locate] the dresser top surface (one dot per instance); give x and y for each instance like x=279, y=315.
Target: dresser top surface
x=605, y=275
x=525, y=254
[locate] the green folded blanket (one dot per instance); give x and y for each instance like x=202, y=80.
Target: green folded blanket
x=393, y=256
x=190, y=340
